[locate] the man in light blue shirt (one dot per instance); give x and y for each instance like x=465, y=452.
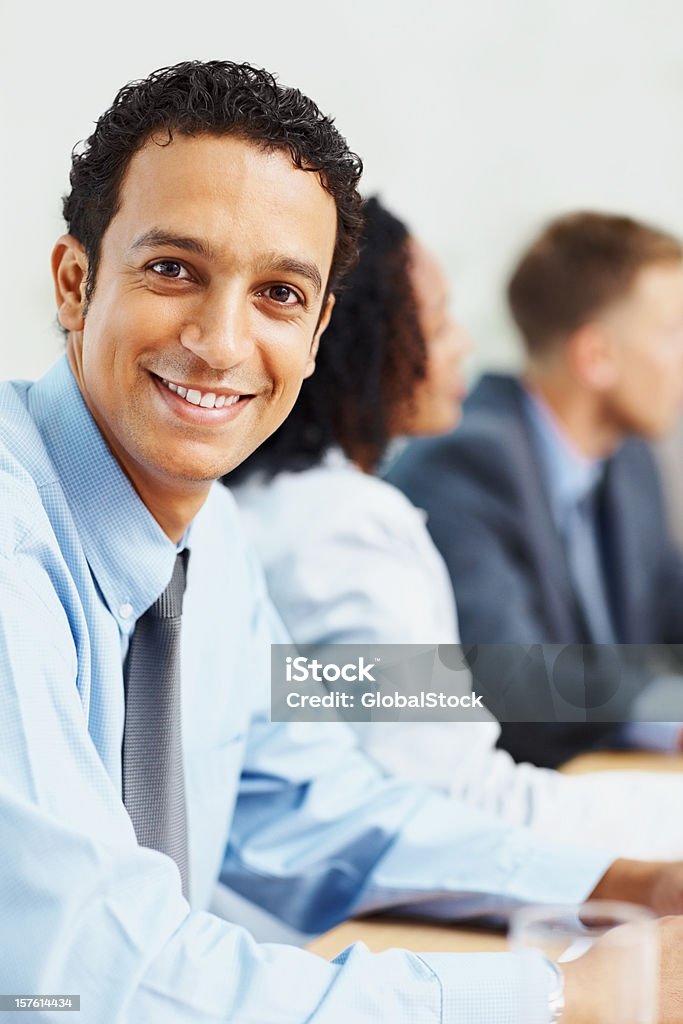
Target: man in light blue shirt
x=211, y=215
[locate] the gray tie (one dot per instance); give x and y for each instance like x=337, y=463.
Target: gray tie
x=152, y=755
x=586, y=569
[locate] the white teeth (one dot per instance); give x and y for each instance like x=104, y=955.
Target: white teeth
x=208, y=400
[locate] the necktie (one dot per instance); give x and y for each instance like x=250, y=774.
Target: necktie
x=586, y=569
x=152, y=755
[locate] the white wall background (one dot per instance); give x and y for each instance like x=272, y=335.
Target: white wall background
x=475, y=120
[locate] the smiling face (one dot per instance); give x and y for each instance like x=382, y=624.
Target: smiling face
x=207, y=308
x=437, y=399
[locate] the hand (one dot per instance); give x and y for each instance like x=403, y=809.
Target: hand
x=588, y=999
x=666, y=890
x=654, y=884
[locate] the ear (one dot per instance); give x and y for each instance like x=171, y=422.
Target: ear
x=591, y=354
x=69, y=272
x=322, y=324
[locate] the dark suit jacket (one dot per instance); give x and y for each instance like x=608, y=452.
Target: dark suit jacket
x=490, y=517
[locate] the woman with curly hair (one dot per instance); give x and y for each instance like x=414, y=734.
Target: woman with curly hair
x=349, y=560
x=331, y=534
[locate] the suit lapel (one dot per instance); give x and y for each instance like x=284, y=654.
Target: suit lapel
x=550, y=563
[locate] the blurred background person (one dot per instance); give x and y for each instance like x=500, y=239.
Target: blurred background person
x=546, y=502
x=669, y=453
x=349, y=560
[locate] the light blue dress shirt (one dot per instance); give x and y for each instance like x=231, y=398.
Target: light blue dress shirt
x=292, y=816
x=569, y=476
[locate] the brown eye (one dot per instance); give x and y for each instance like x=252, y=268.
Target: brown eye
x=167, y=268
x=283, y=294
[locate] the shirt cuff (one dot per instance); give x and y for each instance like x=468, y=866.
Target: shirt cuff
x=492, y=988
x=559, y=873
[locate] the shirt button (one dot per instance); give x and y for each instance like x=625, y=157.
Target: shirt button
x=126, y=610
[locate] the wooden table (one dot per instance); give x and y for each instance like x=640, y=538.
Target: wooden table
x=623, y=760
x=379, y=933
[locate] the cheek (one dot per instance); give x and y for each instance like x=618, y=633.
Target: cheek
x=649, y=394
x=661, y=377
x=285, y=359
x=640, y=375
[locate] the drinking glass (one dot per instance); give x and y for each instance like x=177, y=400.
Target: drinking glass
x=619, y=941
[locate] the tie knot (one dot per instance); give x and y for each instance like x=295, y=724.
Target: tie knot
x=169, y=604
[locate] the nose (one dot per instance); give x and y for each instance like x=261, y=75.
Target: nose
x=220, y=330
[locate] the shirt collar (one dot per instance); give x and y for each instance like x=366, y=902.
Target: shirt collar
x=129, y=555
x=570, y=475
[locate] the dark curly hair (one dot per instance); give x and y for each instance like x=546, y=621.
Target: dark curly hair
x=371, y=356
x=214, y=98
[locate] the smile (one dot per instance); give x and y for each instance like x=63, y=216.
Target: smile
x=204, y=399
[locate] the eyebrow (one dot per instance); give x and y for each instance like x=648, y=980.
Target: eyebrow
x=161, y=239
x=274, y=262
x=271, y=262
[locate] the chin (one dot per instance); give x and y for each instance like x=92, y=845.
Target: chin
x=191, y=470
x=449, y=421
x=650, y=429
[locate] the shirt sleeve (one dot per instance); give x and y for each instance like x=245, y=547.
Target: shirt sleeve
x=320, y=833
x=365, y=571
x=87, y=911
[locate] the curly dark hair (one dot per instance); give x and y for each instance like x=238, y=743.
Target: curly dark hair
x=371, y=356
x=214, y=98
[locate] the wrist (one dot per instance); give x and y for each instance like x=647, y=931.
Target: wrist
x=585, y=999
x=575, y=1010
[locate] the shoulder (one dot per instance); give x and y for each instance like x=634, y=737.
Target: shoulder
x=490, y=431
x=35, y=582
x=329, y=500
x=634, y=456
x=23, y=457
x=218, y=535
x=633, y=474
x=348, y=558
x=22, y=450
x=24, y=470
